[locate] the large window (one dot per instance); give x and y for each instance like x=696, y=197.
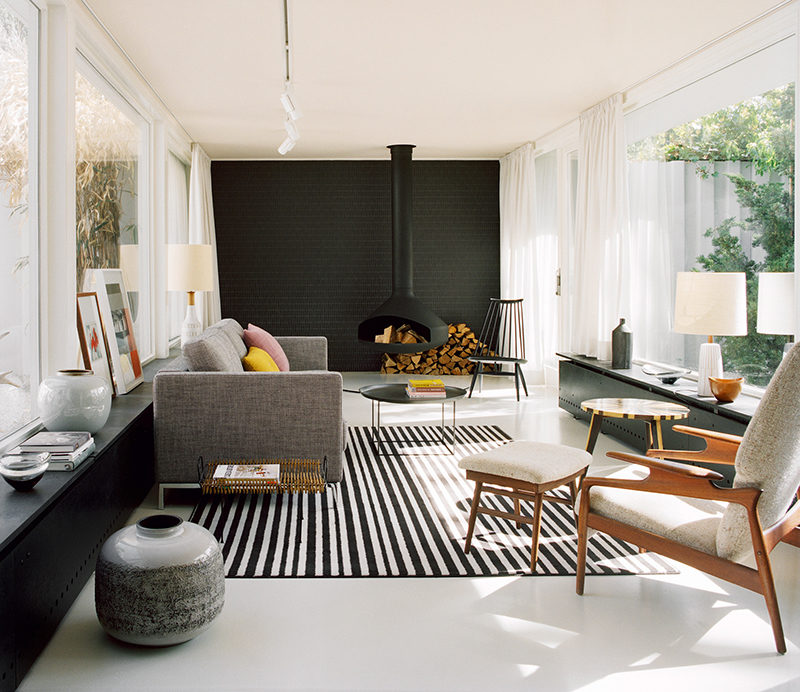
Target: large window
x=111, y=209
x=713, y=194
x=19, y=259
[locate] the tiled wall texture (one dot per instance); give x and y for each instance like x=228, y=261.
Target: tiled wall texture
x=305, y=246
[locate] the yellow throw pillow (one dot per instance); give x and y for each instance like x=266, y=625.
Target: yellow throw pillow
x=259, y=360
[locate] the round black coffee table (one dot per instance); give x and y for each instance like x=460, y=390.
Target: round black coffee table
x=395, y=393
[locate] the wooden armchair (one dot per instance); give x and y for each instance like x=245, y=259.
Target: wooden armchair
x=679, y=512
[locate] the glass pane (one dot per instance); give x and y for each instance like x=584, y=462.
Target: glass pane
x=715, y=195
x=19, y=352
x=107, y=193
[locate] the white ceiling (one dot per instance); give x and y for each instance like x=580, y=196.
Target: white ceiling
x=458, y=78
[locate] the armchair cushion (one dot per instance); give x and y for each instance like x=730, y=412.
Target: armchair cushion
x=767, y=459
x=686, y=520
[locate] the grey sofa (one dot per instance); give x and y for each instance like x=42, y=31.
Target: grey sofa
x=205, y=404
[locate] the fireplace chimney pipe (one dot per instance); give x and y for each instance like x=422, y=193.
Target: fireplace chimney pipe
x=403, y=307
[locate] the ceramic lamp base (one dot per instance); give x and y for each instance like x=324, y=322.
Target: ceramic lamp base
x=709, y=365
x=192, y=326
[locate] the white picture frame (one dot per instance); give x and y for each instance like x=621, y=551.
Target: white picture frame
x=115, y=311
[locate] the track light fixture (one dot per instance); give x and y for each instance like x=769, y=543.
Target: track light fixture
x=286, y=146
x=292, y=112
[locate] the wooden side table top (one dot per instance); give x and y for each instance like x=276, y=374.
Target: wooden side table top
x=636, y=409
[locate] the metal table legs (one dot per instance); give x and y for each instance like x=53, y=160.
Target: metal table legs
x=449, y=441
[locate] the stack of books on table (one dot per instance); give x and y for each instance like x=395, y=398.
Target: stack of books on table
x=426, y=389
x=67, y=449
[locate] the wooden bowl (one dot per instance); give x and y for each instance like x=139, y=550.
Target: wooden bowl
x=725, y=389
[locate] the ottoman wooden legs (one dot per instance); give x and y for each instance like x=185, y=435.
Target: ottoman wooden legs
x=518, y=490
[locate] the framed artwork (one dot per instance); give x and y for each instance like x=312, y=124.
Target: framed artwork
x=116, y=312
x=94, y=342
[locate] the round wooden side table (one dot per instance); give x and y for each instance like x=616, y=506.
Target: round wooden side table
x=648, y=410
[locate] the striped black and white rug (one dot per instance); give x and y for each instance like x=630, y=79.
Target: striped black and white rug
x=402, y=515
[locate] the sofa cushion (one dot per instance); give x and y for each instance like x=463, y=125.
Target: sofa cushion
x=212, y=351
x=255, y=336
x=259, y=360
x=234, y=332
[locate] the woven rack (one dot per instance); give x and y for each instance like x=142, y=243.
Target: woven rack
x=296, y=476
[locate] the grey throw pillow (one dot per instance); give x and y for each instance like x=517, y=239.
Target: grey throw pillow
x=212, y=351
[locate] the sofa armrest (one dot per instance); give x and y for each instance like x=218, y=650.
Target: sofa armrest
x=305, y=352
x=245, y=415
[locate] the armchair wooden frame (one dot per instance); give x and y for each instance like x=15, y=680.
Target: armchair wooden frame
x=673, y=478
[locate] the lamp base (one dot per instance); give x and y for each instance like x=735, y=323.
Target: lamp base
x=709, y=365
x=192, y=326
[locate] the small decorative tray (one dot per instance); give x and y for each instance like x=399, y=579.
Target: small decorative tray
x=296, y=476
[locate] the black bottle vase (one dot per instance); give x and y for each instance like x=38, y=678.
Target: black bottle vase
x=621, y=346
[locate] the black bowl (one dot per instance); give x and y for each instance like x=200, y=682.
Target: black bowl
x=24, y=471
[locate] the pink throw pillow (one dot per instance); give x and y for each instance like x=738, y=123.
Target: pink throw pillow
x=255, y=336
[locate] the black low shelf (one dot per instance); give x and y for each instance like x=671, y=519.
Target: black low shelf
x=582, y=378
x=50, y=536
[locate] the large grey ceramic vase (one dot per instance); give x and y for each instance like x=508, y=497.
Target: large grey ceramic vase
x=159, y=582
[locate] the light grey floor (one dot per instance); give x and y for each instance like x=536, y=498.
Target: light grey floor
x=685, y=631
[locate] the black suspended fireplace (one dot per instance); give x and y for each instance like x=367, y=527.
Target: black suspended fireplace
x=403, y=308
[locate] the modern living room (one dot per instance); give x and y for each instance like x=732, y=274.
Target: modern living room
x=587, y=158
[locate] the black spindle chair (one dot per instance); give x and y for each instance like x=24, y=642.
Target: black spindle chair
x=501, y=343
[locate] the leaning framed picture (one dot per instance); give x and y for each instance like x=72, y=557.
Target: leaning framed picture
x=116, y=312
x=94, y=342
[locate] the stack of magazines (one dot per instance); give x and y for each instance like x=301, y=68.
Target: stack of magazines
x=67, y=449
x=426, y=389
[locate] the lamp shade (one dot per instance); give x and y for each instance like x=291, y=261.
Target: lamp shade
x=711, y=303
x=776, y=303
x=189, y=268
x=129, y=263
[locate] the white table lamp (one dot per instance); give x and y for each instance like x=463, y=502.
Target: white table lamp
x=711, y=304
x=189, y=268
x=776, y=304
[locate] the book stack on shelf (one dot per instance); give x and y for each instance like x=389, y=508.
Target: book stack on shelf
x=426, y=389
x=67, y=449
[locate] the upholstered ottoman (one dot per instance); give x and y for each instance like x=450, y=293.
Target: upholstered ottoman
x=523, y=471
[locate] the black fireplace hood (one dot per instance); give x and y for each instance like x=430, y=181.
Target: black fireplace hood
x=403, y=307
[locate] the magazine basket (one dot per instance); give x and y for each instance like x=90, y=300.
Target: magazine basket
x=296, y=476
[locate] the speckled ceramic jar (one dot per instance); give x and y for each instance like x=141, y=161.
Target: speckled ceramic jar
x=159, y=582
x=74, y=400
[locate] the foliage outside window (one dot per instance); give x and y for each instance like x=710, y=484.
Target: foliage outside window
x=107, y=167
x=747, y=151
x=19, y=352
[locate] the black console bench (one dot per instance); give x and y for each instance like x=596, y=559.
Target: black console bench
x=582, y=378
x=50, y=536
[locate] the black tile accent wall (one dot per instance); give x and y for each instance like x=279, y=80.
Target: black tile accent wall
x=304, y=247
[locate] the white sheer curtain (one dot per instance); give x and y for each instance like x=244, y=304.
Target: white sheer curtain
x=602, y=252
x=528, y=257
x=201, y=228
x=657, y=211
x=177, y=232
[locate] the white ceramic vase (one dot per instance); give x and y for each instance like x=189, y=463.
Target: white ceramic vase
x=159, y=582
x=74, y=400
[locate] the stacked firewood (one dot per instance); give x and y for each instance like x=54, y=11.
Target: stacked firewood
x=451, y=358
